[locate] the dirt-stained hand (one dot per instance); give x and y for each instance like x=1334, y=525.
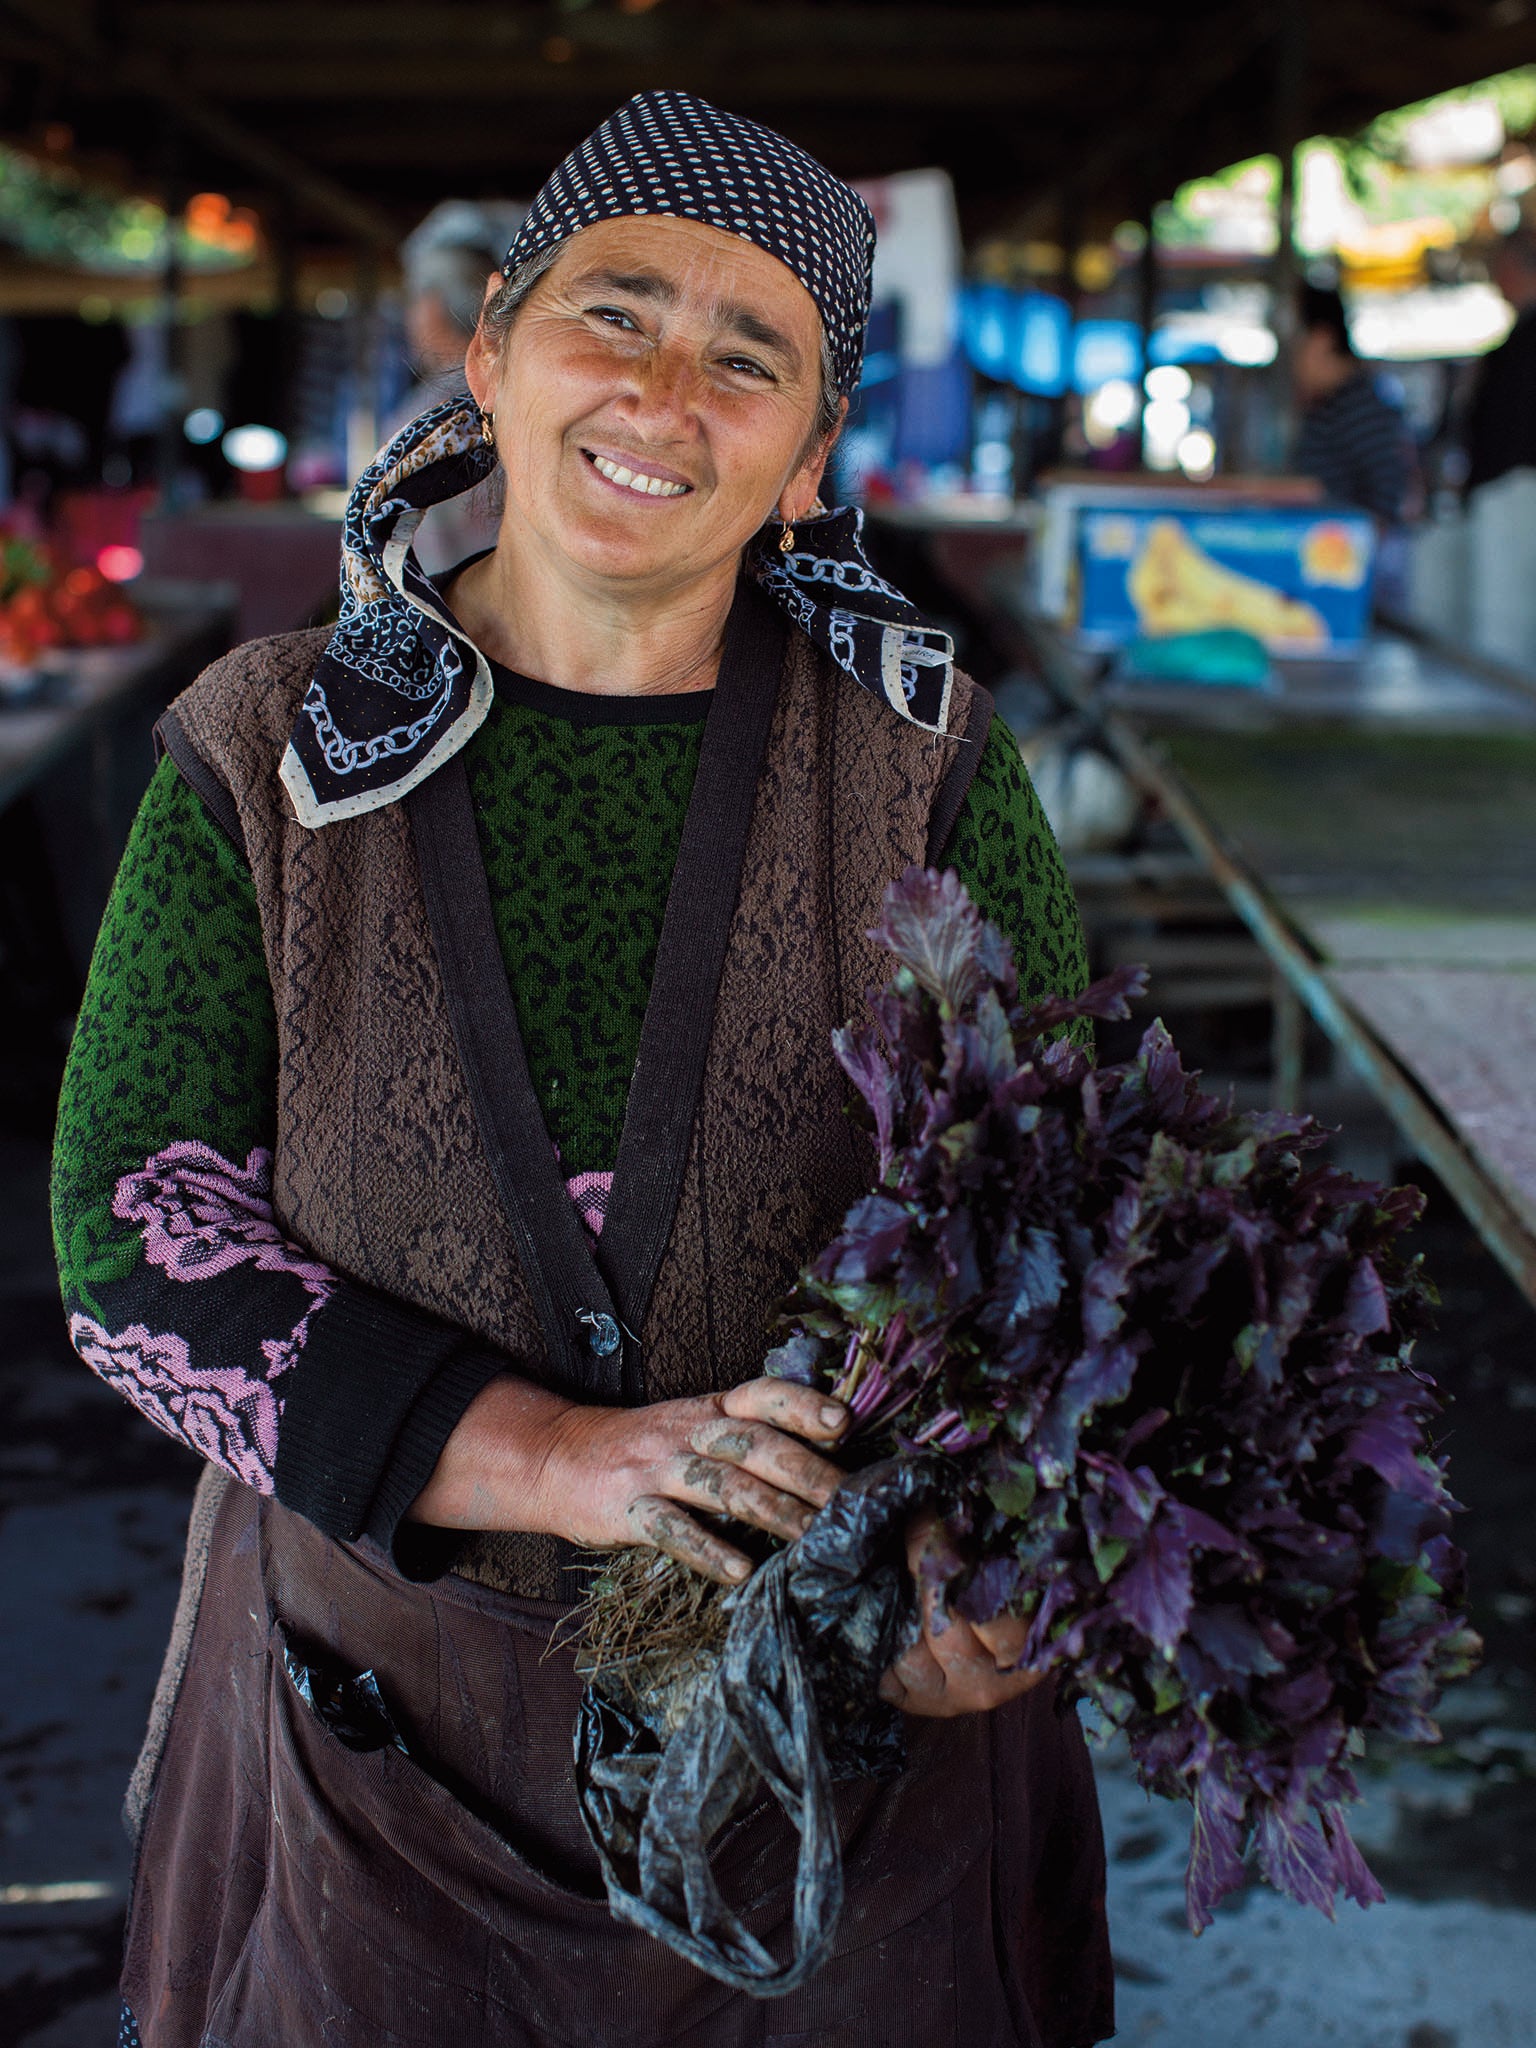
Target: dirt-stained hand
x=522, y=1458
x=955, y=1666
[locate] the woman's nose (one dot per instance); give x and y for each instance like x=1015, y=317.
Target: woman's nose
x=665, y=387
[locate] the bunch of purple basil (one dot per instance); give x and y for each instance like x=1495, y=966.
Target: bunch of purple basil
x=1169, y=1352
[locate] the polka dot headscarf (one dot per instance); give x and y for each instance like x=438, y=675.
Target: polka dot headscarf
x=669, y=153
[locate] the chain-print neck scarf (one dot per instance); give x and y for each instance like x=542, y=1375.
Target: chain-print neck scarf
x=400, y=687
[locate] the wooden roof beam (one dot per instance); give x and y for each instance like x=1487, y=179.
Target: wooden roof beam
x=307, y=27
x=1174, y=92
x=69, y=46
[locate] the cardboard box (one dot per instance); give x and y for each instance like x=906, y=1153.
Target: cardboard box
x=1126, y=564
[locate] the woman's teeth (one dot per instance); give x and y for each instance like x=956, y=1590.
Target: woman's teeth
x=637, y=480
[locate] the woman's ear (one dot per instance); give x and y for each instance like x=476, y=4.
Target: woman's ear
x=482, y=361
x=482, y=366
x=804, y=487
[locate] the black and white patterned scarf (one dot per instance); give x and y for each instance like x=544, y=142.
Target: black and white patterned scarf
x=401, y=687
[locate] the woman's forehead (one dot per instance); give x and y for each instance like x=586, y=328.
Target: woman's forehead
x=691, y=263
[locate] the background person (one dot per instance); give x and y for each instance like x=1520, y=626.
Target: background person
x=1351, y=439
x=446, y=259
x=1501, y=469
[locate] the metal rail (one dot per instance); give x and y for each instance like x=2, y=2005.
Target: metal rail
x=1411, y=1110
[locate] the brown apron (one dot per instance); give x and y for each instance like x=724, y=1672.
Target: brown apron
x=293, y=1892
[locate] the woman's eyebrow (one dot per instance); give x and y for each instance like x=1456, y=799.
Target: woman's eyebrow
x=725, y=313
x=639, y=284
x=754, y=328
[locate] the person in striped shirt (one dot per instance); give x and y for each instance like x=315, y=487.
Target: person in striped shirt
x=1352, y=440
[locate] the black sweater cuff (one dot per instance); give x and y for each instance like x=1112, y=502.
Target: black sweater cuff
x=418, y=1551
x=373, y=1398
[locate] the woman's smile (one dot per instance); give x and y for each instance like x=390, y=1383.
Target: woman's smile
x=638, y=477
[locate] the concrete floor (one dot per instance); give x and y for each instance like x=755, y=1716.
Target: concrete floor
x=93, y=1503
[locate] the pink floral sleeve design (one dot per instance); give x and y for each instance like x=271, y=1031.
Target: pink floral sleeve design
x=200, y=1216
x=222, y=1413
x=589, y=1192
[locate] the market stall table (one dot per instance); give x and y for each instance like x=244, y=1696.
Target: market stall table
x=1371, y=822
x=81, y=743
x=89, y=690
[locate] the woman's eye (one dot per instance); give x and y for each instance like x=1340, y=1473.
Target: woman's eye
x=746, y=365
x=615, y=316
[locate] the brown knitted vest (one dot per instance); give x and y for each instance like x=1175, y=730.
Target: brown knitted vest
x=381, y=1163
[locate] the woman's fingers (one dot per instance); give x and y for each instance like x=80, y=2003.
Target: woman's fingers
x=916, y=1681
x=767, y=1453
x=1005, y=1638
x=668, y=1527
x=956, y=1666
x=787, y=1405
x=722, y=1489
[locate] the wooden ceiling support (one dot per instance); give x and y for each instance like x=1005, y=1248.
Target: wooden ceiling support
x=67, y=42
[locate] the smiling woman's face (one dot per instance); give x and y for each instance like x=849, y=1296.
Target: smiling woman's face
x=654, y=400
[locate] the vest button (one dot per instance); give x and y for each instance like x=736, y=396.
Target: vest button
x=603, y=1334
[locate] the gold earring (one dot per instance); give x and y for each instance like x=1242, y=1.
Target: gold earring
x=787, y=539
x=488, y=429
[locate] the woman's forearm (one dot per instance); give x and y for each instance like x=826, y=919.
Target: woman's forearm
x=493, y=1470
x=522, y=1458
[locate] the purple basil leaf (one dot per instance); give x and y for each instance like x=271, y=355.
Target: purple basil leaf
x=1365, y=1310
x=861, y=1058
x=1388, y=1442
x=1099, y=1376
x=1231, y=1642
x=1154, y=1594
x=985, y=1047
x=874, y=1230
x=1299, y=1699
x=1356, y=1879
x=798, y=1358
x=1296, y=1859
x=1027, y=1281
x=1215, y=1849
x=1109, y=1000
x=992, y=1586
x=1203, y=1531
x=931, y=925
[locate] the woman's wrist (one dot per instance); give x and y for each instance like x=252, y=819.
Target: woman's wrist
x=493, y=1472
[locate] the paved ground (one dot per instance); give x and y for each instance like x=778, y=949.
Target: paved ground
x=93, y=1502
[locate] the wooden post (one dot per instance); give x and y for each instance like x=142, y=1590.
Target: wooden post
x=1146, y=309
x=1289, y=122
x=1287, y=1046
x=168, y=449
x=362, y=416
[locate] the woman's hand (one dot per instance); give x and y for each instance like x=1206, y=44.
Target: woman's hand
x=955, y=1666
x=523, y=1458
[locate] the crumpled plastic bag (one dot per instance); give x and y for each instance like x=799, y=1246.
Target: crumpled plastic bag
x=790, y=1704
x=349, y=1703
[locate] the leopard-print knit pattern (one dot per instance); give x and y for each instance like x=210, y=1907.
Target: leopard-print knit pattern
x=1006, y=854
x=579, y=825
x=174, y=1039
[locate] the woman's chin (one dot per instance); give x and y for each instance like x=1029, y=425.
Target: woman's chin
x=616, y=552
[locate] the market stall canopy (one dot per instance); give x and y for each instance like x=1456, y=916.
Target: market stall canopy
x=363, y=112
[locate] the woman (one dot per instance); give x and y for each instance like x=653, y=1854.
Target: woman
x=453, y=1103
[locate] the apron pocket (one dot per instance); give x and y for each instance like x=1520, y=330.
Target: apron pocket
x=395, y=1917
